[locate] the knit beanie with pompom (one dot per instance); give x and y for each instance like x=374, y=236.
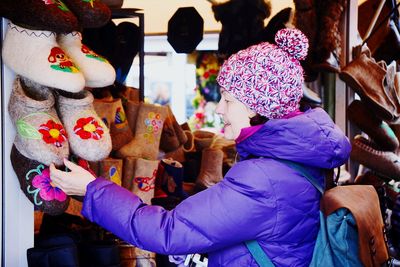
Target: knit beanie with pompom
x=268, y=78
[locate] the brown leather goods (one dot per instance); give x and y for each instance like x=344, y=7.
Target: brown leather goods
x=366, y=78
x=203, y=139
x=211, y=168
x=386, y=163
x=363, y=202
x=377, y=129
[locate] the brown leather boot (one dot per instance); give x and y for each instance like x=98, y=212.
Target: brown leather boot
x=366, y=78
x=377, y=129
x=387, y=164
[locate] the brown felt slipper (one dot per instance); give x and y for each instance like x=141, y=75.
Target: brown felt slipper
x=40, y=15
x=90, y=13
x=40, y=134
x=89, y=137
x=35, y=182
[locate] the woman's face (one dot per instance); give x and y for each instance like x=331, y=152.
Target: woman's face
x=234, y=114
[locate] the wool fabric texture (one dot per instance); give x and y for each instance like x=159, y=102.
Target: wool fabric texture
x=89, y=137
x=40, y=135
x=37, y=56
x=266, y=77
x=97, y=71
x=34, y=180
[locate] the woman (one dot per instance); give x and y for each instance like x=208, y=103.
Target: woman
x=260, y=198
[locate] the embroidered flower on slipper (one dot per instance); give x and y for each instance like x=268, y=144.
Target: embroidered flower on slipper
x=88, y=128
x=53, y=133
x=47, y=190
x=120, y=118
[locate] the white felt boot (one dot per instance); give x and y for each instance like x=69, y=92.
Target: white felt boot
x=98, y=72
x=36, y=55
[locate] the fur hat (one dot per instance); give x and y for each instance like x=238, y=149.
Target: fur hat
x=268, y=78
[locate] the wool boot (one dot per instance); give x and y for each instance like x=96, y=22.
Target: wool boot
x=169, y=179
x=173, y=135
x=63, y=255
x=113, y=115
x=375, y=128
x=132, y=111
x=178, y=129
x=178, y=155
x=386, y=163
x=98, y=72
x=139, y=177
x=40, y=134
x=202, y=139
x=329, y=18
x=99, y=254
x=36, y=55
x=89, y=138
x=366, y=78
x=211, y=168
x=188, y=146
x=146, y=140
x=90, y=13
x=168, y=140
x=41, y=15
x=113, y=3
x=34, y=180
x=108, y=168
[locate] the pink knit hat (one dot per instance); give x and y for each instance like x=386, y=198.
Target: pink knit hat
x=266, y=77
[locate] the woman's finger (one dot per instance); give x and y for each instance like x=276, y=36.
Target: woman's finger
x=70, y=165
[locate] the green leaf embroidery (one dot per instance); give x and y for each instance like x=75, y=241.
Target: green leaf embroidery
x=26, y=130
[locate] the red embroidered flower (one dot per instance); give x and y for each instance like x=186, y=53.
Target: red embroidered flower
x=53, y=133
x=88, y=128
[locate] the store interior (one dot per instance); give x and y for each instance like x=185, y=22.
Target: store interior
x=165, y=56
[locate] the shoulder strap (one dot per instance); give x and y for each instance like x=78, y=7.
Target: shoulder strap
x=304, y=172
x=258, y=254
x=254, y=247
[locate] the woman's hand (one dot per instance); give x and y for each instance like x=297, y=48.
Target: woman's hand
x=73, y=182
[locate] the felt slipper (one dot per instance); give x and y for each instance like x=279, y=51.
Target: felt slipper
x=40, y=134
x=90, y=13
x=47, y=15
x=35, y=182
x=89, y=138
x=37, y=56
x=96, y=69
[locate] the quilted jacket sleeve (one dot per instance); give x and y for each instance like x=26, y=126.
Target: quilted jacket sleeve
x=228, y=213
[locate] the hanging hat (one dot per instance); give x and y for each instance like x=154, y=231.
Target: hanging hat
x=268, y=78
x=185, y=30
x=90, y=13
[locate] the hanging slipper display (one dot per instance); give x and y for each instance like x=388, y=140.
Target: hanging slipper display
x=40, y=133
x=97, y=71
x=37, y=56
x=35, y=182
x=89, y=137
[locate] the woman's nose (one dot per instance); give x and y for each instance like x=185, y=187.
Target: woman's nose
x=219, y=109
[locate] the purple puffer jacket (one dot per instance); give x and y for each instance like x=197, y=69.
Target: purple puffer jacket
x=259, y=198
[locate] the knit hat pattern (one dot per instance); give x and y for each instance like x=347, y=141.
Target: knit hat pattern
x=268, y=78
